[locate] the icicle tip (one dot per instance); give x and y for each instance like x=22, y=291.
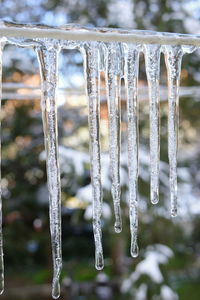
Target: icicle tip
x=174, y=212
x=118, y=226
x=154, y=197
x=134, y=250
x=56, y=290
x=99, y=264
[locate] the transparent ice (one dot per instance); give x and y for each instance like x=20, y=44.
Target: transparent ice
x=117, y=60
x=131, y=82
x=173, y=58
x=113, y=83
x=152, y=62
x=92, y=79
x=48, y=61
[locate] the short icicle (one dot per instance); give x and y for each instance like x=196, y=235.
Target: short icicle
x=113, y=83
x=1, y=233
x=92, y=79
x=173, y=58
x=48, y=62
x=131, y=82
x=152, y=62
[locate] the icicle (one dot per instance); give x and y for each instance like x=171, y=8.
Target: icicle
x=48, y=60
x=113, y=82
x=152, y=61
x=102, y=56
x=173, y=58
x=131, y=80
x=1, y=233
x=92, y=78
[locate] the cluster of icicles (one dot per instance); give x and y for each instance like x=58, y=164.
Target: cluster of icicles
x=117, y=60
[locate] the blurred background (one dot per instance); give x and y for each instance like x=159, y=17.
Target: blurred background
x=168, y=266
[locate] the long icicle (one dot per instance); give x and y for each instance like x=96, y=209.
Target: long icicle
x=1, y=233
x=113, y=82
x=92, y=79
x=152, y=62
x=131, y=82
x=48, y=62
x=173, y=58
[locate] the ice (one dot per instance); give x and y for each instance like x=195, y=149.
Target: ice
x=48, y=62
x=1, y=234
x=92, y=78
x=113, y=81
x=173, y=58
x=117, y=60
x=152, y=62
x=131, y=80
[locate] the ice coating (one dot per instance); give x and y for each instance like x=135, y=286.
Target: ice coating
x=173, y=58
x=102, y=56
x=131, y=81
x=152, y=62
x=92, y=79
x=1, y=233
x=108, y=56
x=48, y=62
x=113, y=82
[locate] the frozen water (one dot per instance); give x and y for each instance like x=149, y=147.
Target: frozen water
x=48, y=62
x=131, y=80
x=173, y=58
x=113, y=83
x=92, y=78
x=152, y=61
x=117, y=60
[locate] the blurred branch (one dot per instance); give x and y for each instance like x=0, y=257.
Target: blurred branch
x=13, y=91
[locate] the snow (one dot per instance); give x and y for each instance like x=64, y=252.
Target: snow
x=106, y=212
x=167, y=293
x=141, y=292
x=154, y=256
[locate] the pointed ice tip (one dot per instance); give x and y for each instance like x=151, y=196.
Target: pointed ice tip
x=174, y=213
x=99, y=267
x=134, y=251
x=154, y=198
x=56, y=290
x=118, y=227
x=99, y=261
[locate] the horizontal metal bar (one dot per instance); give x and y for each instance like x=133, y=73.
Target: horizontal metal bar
x=77, y=33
